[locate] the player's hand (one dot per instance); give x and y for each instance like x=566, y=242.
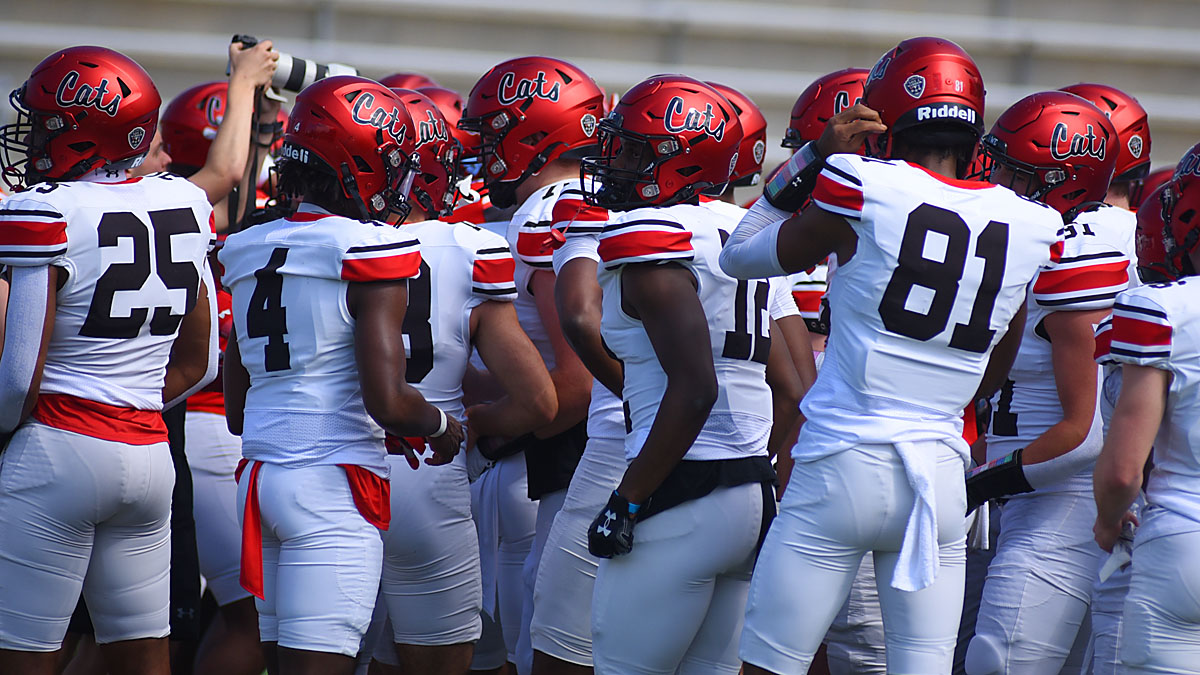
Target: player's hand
x=397, y=445
x=446, y=446
x=848, y=130
x=255, y=64
x=1107, y=534
x=611, y=533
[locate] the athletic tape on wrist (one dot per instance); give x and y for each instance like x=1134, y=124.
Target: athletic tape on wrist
x=792, y=185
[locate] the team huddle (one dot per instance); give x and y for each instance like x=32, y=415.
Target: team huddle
x=508, y=383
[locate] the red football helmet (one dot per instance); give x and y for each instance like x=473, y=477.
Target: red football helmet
x=1181, y=221
x=436, y=185
x=81, y=109
x=669, y=139
x=923, y=81
x=1128, y=117
x=189, y=124
x=451, y=106
x=1061, y=144
x=1152, y=265
x=530, y=111
x=358, y=130
x=754, y=137
x=1189, y=165
x=824, y=98
x=1139, y=190
x=407, y=81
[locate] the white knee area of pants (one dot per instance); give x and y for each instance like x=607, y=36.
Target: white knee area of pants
x=213, y=454
x=984, y=657
x=431, y=576
x=855, y=643
x=78, y=512
x=321, y=560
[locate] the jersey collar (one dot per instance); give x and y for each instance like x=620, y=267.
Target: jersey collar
x=955, y=182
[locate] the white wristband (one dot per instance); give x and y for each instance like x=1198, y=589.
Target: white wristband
x=441, y=426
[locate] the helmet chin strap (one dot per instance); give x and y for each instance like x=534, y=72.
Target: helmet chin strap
x=350, y=185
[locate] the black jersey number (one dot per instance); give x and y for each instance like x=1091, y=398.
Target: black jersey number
x=1004, y=420
x=266, y=316
x=418, y=327
x=750, y=339
x=940, y=279
x=131, y=276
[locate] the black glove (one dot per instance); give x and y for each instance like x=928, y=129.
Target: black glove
x=611, y=533
x=999, y=478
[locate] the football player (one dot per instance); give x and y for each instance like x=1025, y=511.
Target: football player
x=1156, y=337
x=431, y=588
x=1046, y=431
x=535, y=116
x=109, y=320
x=698, y=485
x=879, y=455
x=316, y=365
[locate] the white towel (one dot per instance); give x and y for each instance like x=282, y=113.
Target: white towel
x=917, y=565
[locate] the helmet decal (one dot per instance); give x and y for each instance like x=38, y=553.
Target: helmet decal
x=1135, y=145
x=136, y=135
x=588, y=123
x=511, y=90
x=915, y=86
x=366, y=114
x=1080, y=145
x=676, y=120
x=431, y=129
x=86, y=96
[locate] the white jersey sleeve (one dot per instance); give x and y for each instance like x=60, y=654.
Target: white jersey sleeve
x=1158, y=326
x=288, y=280
x=134, y=254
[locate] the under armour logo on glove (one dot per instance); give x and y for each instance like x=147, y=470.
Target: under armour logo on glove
x=611, y=533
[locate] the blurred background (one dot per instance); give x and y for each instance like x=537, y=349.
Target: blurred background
x=769, y=49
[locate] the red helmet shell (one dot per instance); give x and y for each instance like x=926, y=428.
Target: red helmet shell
x=1066, y=144
x=189, y=124
x=81, y=109
x=530, y=111
x=437, y=153
x=1140, y=190
x=407, y=81
x=824, y=98
x=1181, y=215
x=753, y=149
x=925, y=80
x=1151, y=252
x=1189, y=164
x=1129, y=119
x=359, y=129
x=688, y=135
x=450, y=103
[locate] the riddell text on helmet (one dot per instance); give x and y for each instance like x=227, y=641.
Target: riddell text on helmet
x=946, y=111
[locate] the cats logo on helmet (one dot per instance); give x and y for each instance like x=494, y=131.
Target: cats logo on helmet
x=378, y=117
x=841, y=101
x=431, y=130
x=86, y=96
x=211, y=106
x=879, y=69
x=692, y=120
x=511, y=90
x=1079, y=145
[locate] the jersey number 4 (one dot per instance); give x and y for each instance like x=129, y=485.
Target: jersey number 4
x=266, y=316
x=940, y=279
x=132, y=276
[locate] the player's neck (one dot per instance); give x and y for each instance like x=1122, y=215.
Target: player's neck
x=937, y=163
x=417, y=215
x=1121, y=200
x=553, y=172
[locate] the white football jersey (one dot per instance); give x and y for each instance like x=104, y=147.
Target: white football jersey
x=462, y=266
x=1158, y=326
x=1095, y=265
x=288, y=279
x=134, y=252
x=738, y=315
x=782, y=303
x=941, y=267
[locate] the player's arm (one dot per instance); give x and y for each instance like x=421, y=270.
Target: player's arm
x=770, y=241
x=28, y=323
x=1002, y=357
x=572, y=381
x=787, y=389
x=529, y=401
x=664, y=297
x=378, y=309
x=194, y=353
x=1135, y=421
x=249, y=69
x=578, y=299
x=1072, y=349
x=235, y=384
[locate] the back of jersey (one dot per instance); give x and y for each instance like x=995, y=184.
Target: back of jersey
x=941, y=267
x=295, y=333
x=462, y=266
x=134, y=254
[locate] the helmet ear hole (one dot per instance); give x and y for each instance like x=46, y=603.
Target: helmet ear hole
x=533, y=139
x=362, y=165
x=688, y=170
x=81, y=146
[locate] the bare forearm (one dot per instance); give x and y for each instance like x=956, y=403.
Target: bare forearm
x=603, y=367
x=573, y=393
